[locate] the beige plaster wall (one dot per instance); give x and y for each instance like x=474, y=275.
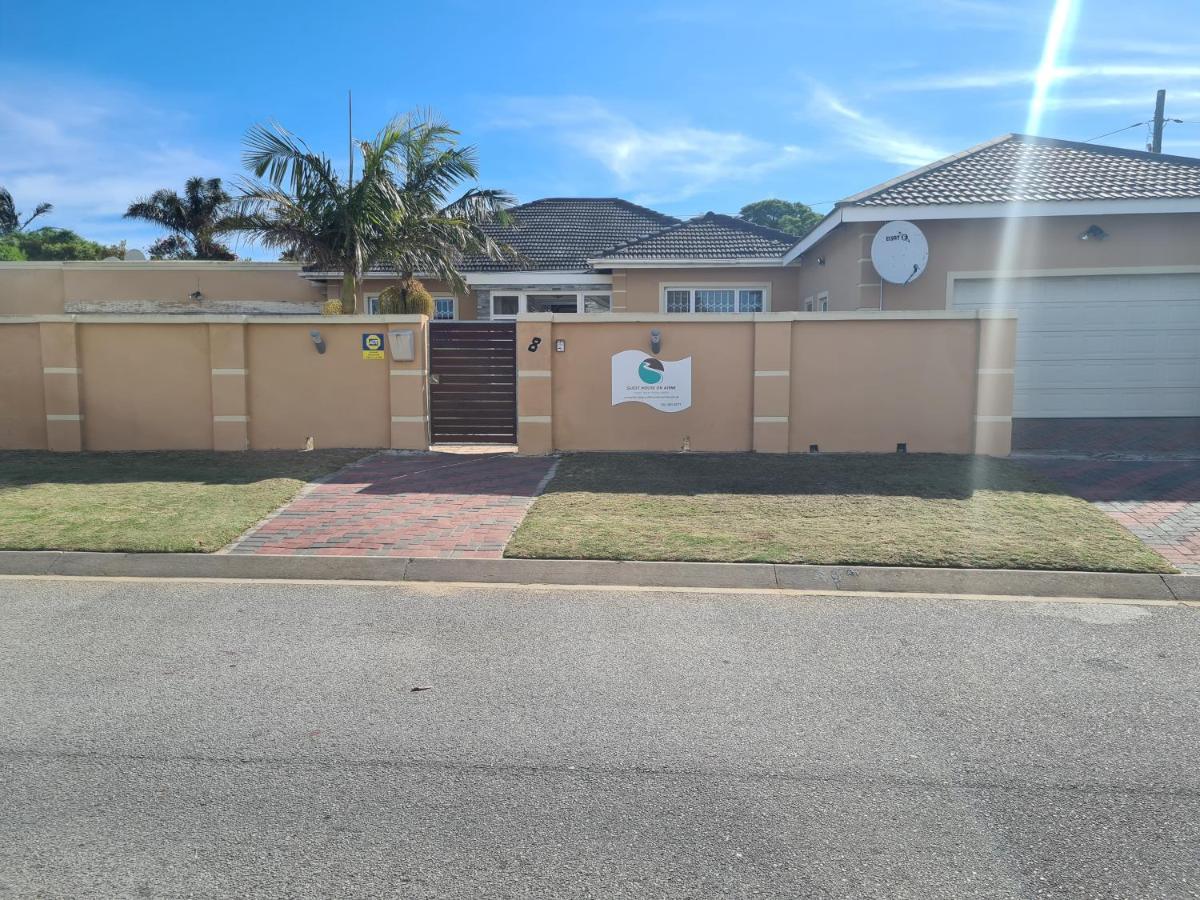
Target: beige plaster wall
x=161, y=383
x=140, y=287
x=337, y=398
x=869, y=385
x=975, y=245
x=722, y=387
x=145, y=387
x=30, y=290
x=774, y=383
x=22, y=395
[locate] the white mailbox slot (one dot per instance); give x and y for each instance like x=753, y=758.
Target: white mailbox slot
x=402, y=345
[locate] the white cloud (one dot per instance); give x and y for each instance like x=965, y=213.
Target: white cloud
x=658, y=163
x=91, y=150
x=1010, y=77
x=871, y=136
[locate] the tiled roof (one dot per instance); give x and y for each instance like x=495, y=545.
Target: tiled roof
x=562, y=233
x=1021, y=168
x=710, y=236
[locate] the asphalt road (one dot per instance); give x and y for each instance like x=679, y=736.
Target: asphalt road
x=166, y=739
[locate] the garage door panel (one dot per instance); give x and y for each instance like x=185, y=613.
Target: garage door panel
x=1100, y=345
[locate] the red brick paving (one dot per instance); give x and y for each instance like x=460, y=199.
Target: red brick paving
x=427, y=504
x=1157, y=500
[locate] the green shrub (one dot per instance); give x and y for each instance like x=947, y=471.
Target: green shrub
x=415, y=301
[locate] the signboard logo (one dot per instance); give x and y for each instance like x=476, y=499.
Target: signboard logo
x=662, y=384
x=372, y=346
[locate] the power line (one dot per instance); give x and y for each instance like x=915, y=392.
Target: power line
x=1118, y=131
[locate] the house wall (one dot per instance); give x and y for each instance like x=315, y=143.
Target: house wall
x=643, y=287
x=975, y=245
x=938, y=382
x=101, y=382
x=465, y=308
x=153, y=287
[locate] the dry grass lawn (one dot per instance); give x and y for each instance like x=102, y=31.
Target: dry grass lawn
x=181, y=501
x=914, y=510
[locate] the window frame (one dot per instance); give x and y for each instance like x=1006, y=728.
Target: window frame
x=523, y=301
x=453, y=309
x=738, y=288
x=822, y=302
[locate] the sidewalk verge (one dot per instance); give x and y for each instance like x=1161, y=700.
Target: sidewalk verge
x=764, y=576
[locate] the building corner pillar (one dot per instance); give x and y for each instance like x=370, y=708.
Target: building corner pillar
x=772, y=386
x=994, y=386
x=408, y=390
x=62, y=386
x=229, y=386
x=535, y=387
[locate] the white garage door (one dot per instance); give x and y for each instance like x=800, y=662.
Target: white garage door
x=1100, y=345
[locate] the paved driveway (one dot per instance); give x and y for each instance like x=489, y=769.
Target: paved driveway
x=1158, y=500
x=414, y=504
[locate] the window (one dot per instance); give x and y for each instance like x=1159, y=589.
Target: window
x=715, y=300
x=808, y=304
x=505, y=306
x=552, y=303
x=372, y=304
x=597, y=303
x=443, y=308
x=823, y=301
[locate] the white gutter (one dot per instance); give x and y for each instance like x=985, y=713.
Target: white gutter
x=1010, y=210
x=830, y=222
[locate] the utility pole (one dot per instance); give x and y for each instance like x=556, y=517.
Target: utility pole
x=1160, y=104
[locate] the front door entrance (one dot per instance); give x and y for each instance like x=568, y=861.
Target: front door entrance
x=473, y=382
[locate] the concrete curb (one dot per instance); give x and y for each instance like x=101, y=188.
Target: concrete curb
x=752, y=576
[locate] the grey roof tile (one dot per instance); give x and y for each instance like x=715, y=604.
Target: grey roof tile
x=562, y=233
x=1023, y=168
x=710, y=236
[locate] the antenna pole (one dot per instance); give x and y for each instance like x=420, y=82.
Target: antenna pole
x=1160, y=103
x=350, y=132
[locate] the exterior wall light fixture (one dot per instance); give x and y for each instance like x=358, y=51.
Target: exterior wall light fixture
x=1094, y=233
x=655, y=341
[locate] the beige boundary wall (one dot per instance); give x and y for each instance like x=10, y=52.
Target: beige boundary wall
x=97, y=382
x=938, y=382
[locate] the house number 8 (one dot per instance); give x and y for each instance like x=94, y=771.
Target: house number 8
x=534, y=344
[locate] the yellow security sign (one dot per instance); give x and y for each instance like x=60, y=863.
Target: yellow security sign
x=372, y=346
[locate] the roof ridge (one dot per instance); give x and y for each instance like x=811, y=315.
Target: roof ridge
x=678, y=223
x=923, y=170
x=762, y=230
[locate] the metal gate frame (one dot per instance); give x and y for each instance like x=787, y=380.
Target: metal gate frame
x=472, y=382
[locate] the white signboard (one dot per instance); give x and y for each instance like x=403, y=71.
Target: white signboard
x=638, y=377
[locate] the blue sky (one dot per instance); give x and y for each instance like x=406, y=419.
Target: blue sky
x=684, y=106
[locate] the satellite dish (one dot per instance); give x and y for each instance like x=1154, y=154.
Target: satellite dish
x=899, y=252
x=134, y=255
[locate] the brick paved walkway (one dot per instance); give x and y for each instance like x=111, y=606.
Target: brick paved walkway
x=427, y=504
x=1158, y=500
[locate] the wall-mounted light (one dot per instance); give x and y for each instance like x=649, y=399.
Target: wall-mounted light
x=820, y=260
x=1093, y=233
x=196, y=295
x=317, y=340
x=655, y=341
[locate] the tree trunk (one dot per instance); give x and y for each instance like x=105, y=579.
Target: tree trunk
x=349, y=293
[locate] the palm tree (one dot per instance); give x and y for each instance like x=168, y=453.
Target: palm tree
x=397, y=214
x=10, y=219
x=194, y=220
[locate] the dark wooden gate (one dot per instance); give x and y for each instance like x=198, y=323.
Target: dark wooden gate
x=473, y=382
